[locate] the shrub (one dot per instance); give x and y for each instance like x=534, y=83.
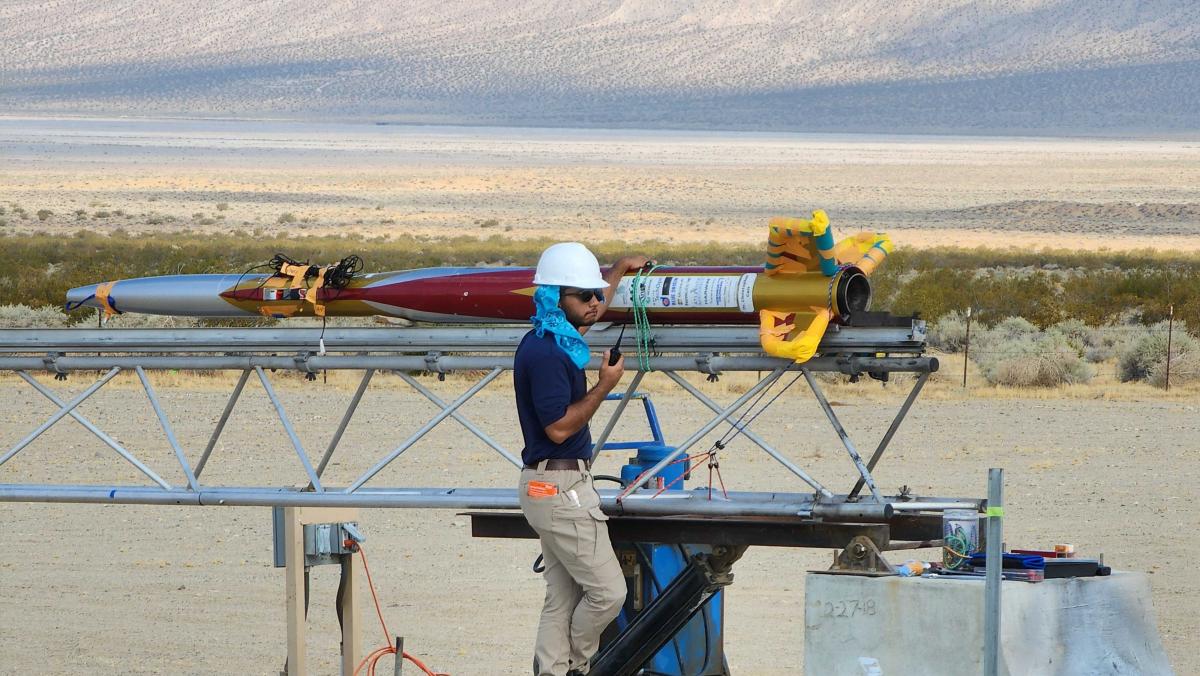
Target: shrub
x=1075, y=333
x=288, y=217
x=140, y=321
x=1014, y=353
x=1043, y=361
x=222, y=206
x=1147, y=357
x=25, y=317
x=43, y=214
x=1184, y=369
x=949, y=333
x=1012, y=328
x=1110, y=341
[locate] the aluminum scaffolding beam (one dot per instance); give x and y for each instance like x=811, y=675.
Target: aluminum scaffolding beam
x=488, y=352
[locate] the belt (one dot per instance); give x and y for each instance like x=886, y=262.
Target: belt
x=559, y=463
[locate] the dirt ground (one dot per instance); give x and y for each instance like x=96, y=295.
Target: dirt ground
x=189, y=590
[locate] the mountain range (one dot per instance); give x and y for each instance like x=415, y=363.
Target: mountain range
x=947, y=66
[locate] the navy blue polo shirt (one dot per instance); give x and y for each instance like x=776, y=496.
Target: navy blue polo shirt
x=546, y=382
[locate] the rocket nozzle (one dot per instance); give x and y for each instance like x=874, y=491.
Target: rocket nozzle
x=853, y=293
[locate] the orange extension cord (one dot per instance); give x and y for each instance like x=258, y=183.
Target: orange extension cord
x=387, y=649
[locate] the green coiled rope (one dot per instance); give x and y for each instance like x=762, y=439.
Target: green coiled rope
x=641, y=321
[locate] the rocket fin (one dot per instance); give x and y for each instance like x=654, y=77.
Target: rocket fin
x=865, y=251
x=781, y=334
x=796, y=246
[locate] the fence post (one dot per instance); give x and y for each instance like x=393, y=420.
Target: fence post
x=967, y=346
x=1170, y=330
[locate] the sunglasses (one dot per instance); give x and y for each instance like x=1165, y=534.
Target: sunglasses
x=587, y=295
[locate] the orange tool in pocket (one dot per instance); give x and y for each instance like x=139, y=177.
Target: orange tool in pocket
x=541, y=489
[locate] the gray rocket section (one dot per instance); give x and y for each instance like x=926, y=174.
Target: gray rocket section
x=182, y=295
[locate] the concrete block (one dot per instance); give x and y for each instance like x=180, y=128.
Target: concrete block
x=893, y=626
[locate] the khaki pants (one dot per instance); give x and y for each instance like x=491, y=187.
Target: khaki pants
x=584, y=585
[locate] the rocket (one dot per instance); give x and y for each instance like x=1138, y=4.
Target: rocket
x=806, y=283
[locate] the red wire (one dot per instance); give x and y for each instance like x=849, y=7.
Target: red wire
x=387, y=649
x=685, y=472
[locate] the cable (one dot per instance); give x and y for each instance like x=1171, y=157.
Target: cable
x=641, y=320
x=958, y=546
x=388, y=648
x=738, y=427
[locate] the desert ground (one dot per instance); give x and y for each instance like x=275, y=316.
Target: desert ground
x=381, y=180
x=190, y=590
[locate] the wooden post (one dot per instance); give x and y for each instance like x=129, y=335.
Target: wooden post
x=967, y=346
x=294, y=581
x=294, y=520
x=1170, y=330
x=351, y=617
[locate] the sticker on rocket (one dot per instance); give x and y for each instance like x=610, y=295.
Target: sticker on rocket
x=283, y=294
x=735, y=292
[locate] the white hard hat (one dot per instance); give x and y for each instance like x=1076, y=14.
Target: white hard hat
x=569, y=264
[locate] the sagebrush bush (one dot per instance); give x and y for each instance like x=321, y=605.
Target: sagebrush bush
x=1015, y=354
x=140, y=321
x=1078, y=335
x=1184, y=369
x=1148, y=355
x=1012, y=328
x=949, y=333
x=25, y=317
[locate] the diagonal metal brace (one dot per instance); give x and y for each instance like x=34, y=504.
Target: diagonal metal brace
x=61, y=413
x=460, y=418
x=699, y=434
x=167, y=429
x=841, y=432
x=91, y=427
x=416, y=436
x=216, y=434
x=287, y=427
x=891, y=431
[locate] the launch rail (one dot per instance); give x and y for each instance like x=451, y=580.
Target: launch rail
x=881, y=346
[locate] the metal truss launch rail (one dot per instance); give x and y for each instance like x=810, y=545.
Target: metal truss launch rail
x=877, y=350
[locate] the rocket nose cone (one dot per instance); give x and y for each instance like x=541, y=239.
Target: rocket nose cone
x=82, y=296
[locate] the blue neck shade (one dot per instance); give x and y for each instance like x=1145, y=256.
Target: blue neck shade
x=550, y=317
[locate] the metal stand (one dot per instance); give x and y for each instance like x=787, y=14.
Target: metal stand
x=658, y=623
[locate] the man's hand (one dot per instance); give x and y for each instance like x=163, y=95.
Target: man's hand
x=610, y=375
x=624, y=265
x=634, y=262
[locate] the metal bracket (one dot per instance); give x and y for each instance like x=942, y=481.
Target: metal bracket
x=704, y=363
x=861, y=557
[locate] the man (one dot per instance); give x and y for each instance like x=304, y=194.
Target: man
x=584, y=585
